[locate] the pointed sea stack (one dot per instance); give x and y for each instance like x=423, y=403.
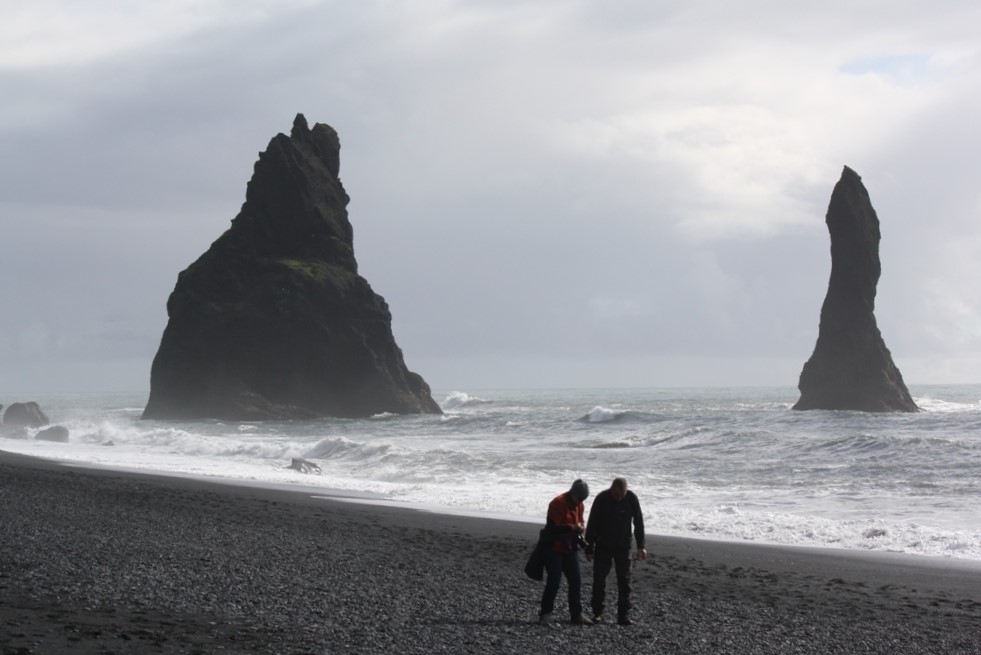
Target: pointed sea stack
x=851, y=368
x=273, y=321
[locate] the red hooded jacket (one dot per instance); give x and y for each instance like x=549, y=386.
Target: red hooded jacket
x=563, y=522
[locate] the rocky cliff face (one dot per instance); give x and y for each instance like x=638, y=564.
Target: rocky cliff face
x=851, y=368
x=273, y=321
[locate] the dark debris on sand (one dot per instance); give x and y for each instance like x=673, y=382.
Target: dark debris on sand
x=107, y=562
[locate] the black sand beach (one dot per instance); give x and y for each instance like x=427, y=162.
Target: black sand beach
x=95, y=561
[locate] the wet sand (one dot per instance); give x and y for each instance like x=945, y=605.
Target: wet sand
x=103, y=561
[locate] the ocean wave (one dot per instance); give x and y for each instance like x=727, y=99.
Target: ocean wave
x=336, y=448
x=692, y=434
x=457, y=399
x=170, y=444
x=601, y=414
x=730, y=521
x=392, y=462
x=856, y=444
x=605, y=445
x=928, y=404
x=641, y=440
x=604, y=415
x=929, y=448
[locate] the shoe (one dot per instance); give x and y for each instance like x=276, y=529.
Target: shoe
x=598, y=618
x=582, y=619
x=623, y=620
x=545, y=619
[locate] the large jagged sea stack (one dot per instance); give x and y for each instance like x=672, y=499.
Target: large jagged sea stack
x=273, y=321
x=851, y=368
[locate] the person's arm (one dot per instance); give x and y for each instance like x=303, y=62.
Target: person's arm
x=591, y=527
x=639, y=535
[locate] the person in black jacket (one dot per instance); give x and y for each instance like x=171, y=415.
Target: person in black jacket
x=608, y=541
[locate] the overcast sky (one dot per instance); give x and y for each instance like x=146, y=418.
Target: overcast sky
x=553, y=193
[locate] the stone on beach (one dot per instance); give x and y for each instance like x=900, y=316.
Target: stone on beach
x=851, y=368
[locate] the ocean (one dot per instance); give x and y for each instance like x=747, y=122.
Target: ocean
x=727, y=464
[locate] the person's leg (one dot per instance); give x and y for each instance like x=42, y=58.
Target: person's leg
x=602, y=562
x=570, y=566
x=622, y=561
x=553, y=573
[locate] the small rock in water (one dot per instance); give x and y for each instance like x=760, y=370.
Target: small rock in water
x=25, y=414
x=54, y=433
x=303, y=466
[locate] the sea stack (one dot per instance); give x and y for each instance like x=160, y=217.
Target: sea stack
x=851, y=368
x=273, y=321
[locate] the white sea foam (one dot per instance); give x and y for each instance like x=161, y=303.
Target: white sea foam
x=731, y=523
x=928, y=404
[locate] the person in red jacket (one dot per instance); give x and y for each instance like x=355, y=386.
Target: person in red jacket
x=563, y=530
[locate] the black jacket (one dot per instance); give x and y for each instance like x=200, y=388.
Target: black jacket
x=609, y=521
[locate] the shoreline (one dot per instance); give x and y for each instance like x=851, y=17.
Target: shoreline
x=376, y=499
x=745, y=552
x=102, y=560
x=915, y=500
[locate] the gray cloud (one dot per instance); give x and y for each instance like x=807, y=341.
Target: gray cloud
x=547, y=193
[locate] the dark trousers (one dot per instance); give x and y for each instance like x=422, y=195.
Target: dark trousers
x=557, y=565
x=603, y=560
